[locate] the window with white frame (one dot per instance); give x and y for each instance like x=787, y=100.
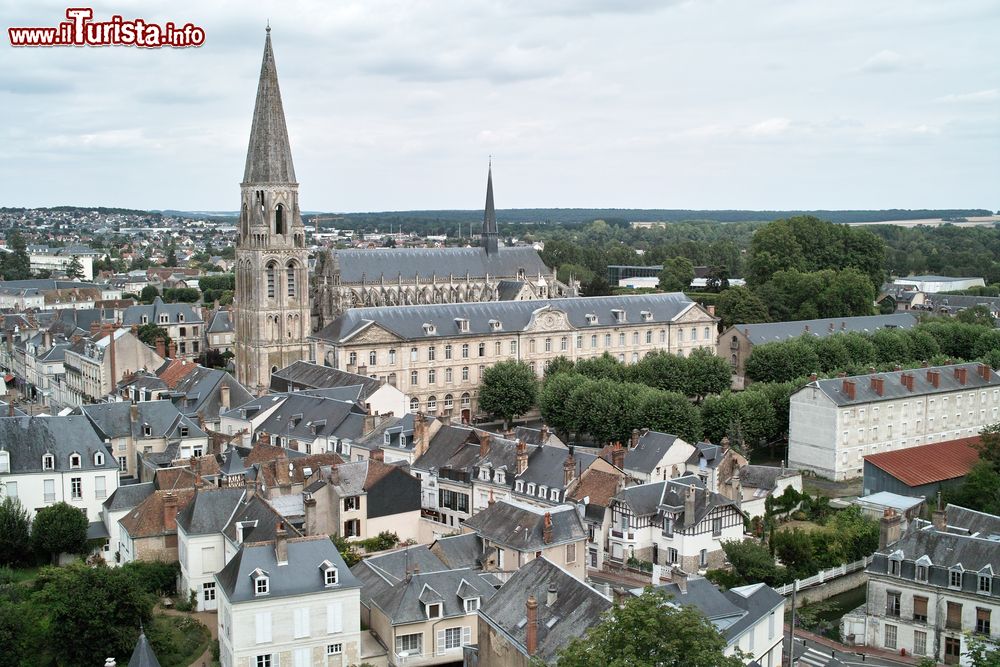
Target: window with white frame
x=331, y=576
x=450, y=638
x=890, y=636
x=985, y=583
x=955, y=578
x=334, y=649
x=48, y=462
x=98, y=459
x=262, y=585
x=208, y=591
x=49, y=490
x=409, y=645
x=471, y=605
x=264, y=660
x=76, y=488
x=434, y=610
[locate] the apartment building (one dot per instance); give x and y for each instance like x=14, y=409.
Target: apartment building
x=182, y=322
x=437, y=353
x=94, y=366
x=835, y=423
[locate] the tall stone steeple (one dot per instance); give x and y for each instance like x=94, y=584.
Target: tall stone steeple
x=272, y=281
x=490, y=238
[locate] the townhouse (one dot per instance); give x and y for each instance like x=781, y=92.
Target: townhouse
x=181, y=321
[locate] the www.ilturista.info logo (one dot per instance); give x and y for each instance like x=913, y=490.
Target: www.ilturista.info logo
x=81, y=30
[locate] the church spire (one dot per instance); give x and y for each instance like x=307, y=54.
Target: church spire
x=490, y=240
x=269, y=157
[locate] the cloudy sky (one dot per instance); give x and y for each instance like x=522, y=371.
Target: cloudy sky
x=583, y=103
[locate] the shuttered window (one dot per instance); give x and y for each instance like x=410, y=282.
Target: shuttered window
x=954, y=616
x=301, y=622
x=302, y=657
x=334, y=620
x=263, y=626
x=919, y=608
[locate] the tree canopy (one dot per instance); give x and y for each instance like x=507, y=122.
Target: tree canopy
x=59, y=528
x=508, y=390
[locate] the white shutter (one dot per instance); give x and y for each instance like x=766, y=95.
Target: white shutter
x=263, y=623
x=334, y=622
x=440, y=641
x=301, y=622
x=466, y=636
x=302, y=657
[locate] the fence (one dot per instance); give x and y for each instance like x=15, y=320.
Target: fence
x=825, y=575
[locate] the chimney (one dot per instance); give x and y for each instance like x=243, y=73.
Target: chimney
x=161, y=347
x=830, y=328
x=378, y=454
x=934, y=377
x=10, y=406
x=924, y=364
x=281, y=477
x=680, y=578
x=961, y=374
x=133, y=413
x=841, y=374
x=807, y=328
x=689, y=505
x=618, y=456
x=169, y=511
x=309, y=519
x=711, y=310
x=531, y=631
x=369, y=421
x=878, y=385
x=172, y=349
x=111, y=352
x=633, y=441
x=569, y=467
x=281, y=544
x=522, y=457
x=544, y=435
x=224, y=396
x=551, y=596
x=843, y=326
x=907, y=379
x=889, y=529
x=484, y=444
x=547, y=528
x=813, y=377
x=264, y=438
x=939, y=518
x=985, y=372
x=848, y=389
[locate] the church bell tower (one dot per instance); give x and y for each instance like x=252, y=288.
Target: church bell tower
x=272, y=281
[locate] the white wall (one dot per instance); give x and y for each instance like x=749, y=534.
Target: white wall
x=31, y=489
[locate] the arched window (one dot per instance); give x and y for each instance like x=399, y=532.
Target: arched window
x=279, y=219
x=414, y=405
x=432, y=403
x=413, y=378
x=465, y=350
x=372, y=358
x=290, y=278
x=466, y=400
x=98, y=459
x=272, y=278
x=449, y=402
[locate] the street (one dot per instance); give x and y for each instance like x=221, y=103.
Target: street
x=815, y=655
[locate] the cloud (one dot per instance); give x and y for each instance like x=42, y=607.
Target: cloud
x=769, y=128
x=978, y=97
x=884, y=61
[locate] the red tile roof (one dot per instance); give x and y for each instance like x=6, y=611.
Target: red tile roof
x=927, y=464
x=176, y=371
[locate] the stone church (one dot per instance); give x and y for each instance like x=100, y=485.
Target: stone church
x=345, y=279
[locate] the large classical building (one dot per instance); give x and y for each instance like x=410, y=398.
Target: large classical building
x=835, y=423
x=437, y=354
x=346, y=279
x=272, y=295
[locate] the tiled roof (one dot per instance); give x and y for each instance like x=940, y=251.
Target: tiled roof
x=597, y=486
x=927, y=464
x=147, y=518
x=175, y=371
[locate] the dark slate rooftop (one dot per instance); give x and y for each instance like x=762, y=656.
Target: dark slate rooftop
x=126, y=497
x=649, y=451
x=408, y=322
x=220, y=322
x=210, y=510
x=303, y=574
x=893, y=387
x=304, y=417
x=143, y=655
x=577, y=607
x=519, y=526
x=316, y=376
x=153, y=311
x=764, y=477
x=114, y=420
x=772, y=332
x=28, y=439
x=269, y=156
x=654, y=497
x=404, y=602
x=256, y=512
x=428, y=264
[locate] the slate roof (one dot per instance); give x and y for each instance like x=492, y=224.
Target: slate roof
x=651, y=498
x=142, y=655
x=147, y=518
x=519, y=526
x=649, y=451
x=893, y=387
x=198, y=390
x=764, y=477
x=27, y=439
x=114, y=420
x=300, y=576
x=404, y=602
x=577, y=607
x=772, y=332
x=428, y=264
x=407, y=322
x=173, y=311
x=509, y=289
x=443, y=447
x=306, y=418
x=316, y=376
x=220, y=322
x=257, y=511
x=929, y=464
x=128, y=496
x=458, y=550
x=210, y=510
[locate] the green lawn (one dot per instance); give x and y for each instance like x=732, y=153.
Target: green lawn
x=177, y=640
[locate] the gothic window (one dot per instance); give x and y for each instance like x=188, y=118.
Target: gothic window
x=290, y=278
x=244, y=221
x=272, y=277
x=279, y=219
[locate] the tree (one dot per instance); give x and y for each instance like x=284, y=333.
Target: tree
x=14, y=525
x=781, y=362
x=508, y=390
x=558, y=365
x=981, y=652
x=74, y=270
x=650, y=631
x=15, y=265
x=706, y=374
x=738, y=305
x=605, y=409
x=977, y=315
x=747, y=415
x=181, y=295
x=553, y=401
x=668, y=412
x=148, y=294
x=677, y=274
x=752, y=563
x=57, y=529
x=171, y=259
x=149, y=332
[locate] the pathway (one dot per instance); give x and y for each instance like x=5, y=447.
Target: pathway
x=210, y=620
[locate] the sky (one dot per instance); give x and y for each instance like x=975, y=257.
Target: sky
x=702, y=104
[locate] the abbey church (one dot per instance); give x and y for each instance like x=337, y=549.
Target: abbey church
x=277, y=305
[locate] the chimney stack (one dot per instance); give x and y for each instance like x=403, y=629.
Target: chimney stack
x=547, y=528
x=680, y=578
x=813, y=377
x=634, y=439
x=934, y=377
x=961, y=374
x=169, y=511
x=172, y=349
x=985, y=372
x=531, y=631
x=133, y=413
x=309, y=520
x=484, y=444
x=281, y=477
x=618, y=456
x=569, y=467
x=419, y=436
x=878, y=385
x=848, y=388
x=551, y=596
x=544, y=435
x=889, y=529
x=161, y=347
x=522, y=456
x=378, y=454
x=689, y=505
x=281, y=544
x=711, y=310
x=369, y=420
x=830, y=328
x=939, y=518
x=224, y=396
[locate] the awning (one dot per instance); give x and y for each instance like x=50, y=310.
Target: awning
x=96, y=530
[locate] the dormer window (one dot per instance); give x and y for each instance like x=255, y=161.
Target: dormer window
x=74, y=460
x=531, y=489
x=434, y=610
x=921, y=573
x=619, y=315
x=646, y=316
x=98, y=459
x=496, y=325
x=554, y=494
x=985, y=584
x=471, y=605
x=895, y=565
x=145, y=319
x=261, y=583
x=543, y=491
x=463, y=324
x=429, y=329
x=183, y=431
x=591, y=318
x=955, y=577
x=48, y=462
x=484, y=474
x=519, y=486
x=180, y=317
x=386, y=438
x=164, y=319
x=331, y=576
x=500, y=477
x=147, y=430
